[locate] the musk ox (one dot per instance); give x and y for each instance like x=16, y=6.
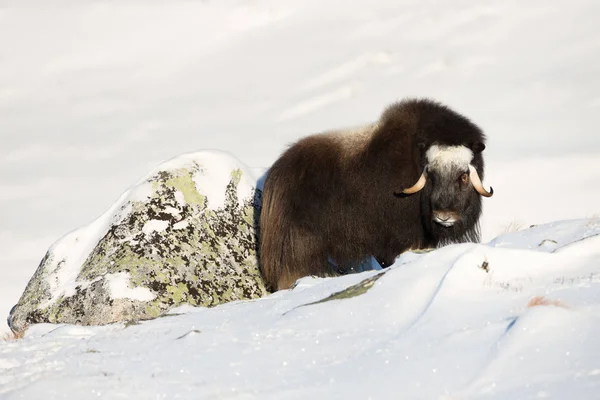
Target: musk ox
x=346, y=195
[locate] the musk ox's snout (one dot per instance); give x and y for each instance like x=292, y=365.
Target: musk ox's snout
x=445, y=218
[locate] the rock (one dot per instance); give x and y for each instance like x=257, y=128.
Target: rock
x=359, y=289
x=184, y=234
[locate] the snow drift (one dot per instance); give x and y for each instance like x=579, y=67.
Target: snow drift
x=515, y=318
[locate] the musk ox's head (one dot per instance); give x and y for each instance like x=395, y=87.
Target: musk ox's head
x=451, y=190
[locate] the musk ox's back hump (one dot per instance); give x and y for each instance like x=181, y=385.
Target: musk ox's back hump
x=353, y=141
x=316, y=164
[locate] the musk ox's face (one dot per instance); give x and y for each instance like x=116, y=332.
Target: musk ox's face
x=452, y=196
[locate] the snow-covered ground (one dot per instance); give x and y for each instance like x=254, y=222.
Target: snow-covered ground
x=516, y=319
x=94, y=94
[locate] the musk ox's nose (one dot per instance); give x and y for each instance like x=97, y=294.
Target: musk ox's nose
x=445, y=218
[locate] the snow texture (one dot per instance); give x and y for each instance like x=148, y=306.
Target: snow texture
x=120, y=288
x=466, y=321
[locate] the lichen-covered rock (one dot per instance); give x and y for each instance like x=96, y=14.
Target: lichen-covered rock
x=184, y=234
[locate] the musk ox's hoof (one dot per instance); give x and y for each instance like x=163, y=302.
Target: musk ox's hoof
x=184, y=234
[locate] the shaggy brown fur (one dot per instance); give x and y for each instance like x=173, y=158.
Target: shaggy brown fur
x=332, y=194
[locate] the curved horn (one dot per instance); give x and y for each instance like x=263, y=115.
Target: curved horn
x=477, y=183
x=417, y=186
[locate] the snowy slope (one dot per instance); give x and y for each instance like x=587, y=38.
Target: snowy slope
x=433, y=326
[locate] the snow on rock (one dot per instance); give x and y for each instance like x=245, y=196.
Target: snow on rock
x=119, y=286
x=155, y=226
x=467, y=321
x=186, y=233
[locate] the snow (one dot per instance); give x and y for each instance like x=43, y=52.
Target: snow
x=119, y=287
x=94, y=95
x=551, y=237
x=434, y=325
x=154, y=226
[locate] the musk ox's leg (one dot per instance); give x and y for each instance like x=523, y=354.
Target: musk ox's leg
x=365, y=264
x=305, y=257
x=385, y=261
x=289, y=249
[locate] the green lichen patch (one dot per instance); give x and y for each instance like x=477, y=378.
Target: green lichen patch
x=236, y=176
x=182, y=181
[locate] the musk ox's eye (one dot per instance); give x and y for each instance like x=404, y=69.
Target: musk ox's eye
x=464, y=178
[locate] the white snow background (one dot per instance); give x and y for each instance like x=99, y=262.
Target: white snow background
x=94, y=94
